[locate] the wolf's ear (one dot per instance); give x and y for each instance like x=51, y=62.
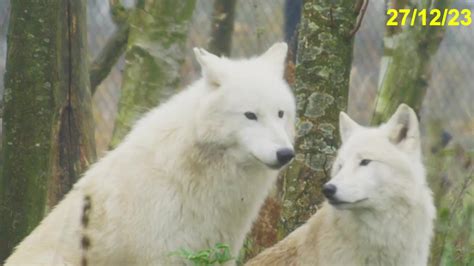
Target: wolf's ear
x=346, y=126
x=403, y=128
x=275, y=56
x=210, y=66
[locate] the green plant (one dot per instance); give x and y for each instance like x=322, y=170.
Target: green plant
x=219, y=254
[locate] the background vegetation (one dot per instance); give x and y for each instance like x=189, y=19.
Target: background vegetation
x=121, y=58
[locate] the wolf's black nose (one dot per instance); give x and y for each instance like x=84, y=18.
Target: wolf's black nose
x=284, y=156
x=329, y=190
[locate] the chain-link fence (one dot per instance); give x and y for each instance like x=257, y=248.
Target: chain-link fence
x=257, y=25
x=450, y=95
x=260, y=23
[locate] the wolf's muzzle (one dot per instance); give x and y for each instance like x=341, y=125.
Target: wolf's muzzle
x=284, y=156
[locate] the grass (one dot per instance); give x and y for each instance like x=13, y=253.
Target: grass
x=217, y=255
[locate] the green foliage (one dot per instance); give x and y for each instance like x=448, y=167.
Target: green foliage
x=450, y=172
x=219, y=254
x=247, y=249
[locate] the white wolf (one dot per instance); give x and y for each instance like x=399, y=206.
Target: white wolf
x=192, y=173
x=379, y=209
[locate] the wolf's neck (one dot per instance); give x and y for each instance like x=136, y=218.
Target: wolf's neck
x=234, y=190
x=379, y=238
x=213, y=167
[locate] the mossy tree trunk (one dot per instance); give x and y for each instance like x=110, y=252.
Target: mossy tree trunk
x=155, y=51
x=406, y=62
x=48, y=129
x=222, y=27
x=324, y=60
x=404, y=78
x=323, y=65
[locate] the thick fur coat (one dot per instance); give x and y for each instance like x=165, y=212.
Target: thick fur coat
x=379, y=209
x=193, y=172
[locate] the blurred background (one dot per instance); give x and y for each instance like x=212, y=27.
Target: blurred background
x=446, y=112
x=258, y=24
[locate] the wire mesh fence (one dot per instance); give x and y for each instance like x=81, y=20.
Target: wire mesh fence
x=449, y=96
x=260, y=23
x=257, y=25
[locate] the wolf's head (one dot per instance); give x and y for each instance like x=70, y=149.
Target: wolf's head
x=247, y=107
x=376, y=165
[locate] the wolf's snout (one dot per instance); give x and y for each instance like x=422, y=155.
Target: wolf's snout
x=329, y=190
x=284, y=156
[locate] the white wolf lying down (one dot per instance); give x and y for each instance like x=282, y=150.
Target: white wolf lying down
x=379, y=209
x=192, y=173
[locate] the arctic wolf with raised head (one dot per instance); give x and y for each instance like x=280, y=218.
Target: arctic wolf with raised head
x=192, y=173
x=379, y=209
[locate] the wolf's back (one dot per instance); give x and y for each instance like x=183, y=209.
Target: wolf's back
x=56, y=241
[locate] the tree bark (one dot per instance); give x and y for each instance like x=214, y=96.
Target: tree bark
x=321, y=82
x=155, y=51
x=324, y=61
x=292, y=11
x=48, y=128
x=110, y=54
x=404, y=78
x=406, y=63
x=222, y=27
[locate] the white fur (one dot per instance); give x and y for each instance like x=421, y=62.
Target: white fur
x=193, y=172
x=387, y=217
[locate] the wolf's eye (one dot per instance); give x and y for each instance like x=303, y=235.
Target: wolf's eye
x=280, y=113
x=250, y=115
x=364, y=162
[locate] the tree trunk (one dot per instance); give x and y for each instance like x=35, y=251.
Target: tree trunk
x=323, y=64
x=222, y=27
x=324, y=61
x=292, y=20
x=404, y=78
x=47, y=125
x=155, y=51
x=406, y=64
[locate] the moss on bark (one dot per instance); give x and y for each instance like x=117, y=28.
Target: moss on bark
x=47, y=123
x=324, y=61
x=155, y=51
x=404, y=78
x=406, y=64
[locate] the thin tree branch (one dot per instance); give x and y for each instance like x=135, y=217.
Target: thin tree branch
x=108, y=57
x=360, y=17
x=113, y=49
